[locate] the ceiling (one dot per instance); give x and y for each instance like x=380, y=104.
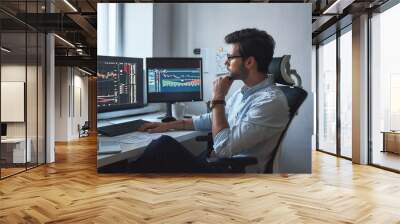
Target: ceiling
x=76, y=21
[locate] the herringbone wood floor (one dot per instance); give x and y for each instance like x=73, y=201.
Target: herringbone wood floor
x=70, y=191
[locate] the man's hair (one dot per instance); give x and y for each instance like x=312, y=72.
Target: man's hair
x=256, y=43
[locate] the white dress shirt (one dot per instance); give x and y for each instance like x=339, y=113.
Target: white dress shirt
x=257, y=116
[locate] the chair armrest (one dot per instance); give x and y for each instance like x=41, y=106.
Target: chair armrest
x=204, y=138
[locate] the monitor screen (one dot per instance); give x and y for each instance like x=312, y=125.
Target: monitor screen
x=174, y=79
x=119, y=83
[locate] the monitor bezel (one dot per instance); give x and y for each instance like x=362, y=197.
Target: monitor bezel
x=174, y=97
x=139, y=79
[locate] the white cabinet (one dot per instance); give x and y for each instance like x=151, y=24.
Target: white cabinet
x=15, y=148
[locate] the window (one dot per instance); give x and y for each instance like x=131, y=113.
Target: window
x=327, y=96
x=385, y=89
x=334, y=106
x=346, y=93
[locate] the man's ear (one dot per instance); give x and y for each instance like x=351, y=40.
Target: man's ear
x=251, y=62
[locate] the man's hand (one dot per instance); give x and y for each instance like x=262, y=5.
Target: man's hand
x=154, y=127
x=221, y=87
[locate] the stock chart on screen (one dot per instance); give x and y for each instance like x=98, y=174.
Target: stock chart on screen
x=117, y=82
x=174, y=80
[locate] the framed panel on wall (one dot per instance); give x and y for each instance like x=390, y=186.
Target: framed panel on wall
x=12, y=101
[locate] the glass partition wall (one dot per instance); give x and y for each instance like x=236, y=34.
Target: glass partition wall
x=385, y=89
x=334, y=94
x=22, y=77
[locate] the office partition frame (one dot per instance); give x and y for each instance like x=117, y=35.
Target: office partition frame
x=39, y=147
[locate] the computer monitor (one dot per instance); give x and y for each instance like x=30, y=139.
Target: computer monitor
x=3, y=130
x=119, y=83
x=171, y=80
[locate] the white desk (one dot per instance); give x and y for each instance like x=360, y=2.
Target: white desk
x=133, y=144
x=18, y=149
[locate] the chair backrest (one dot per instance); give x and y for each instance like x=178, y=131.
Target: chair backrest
x=295, y=97
x=86, y=125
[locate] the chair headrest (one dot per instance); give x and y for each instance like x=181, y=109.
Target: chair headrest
x=280, y=69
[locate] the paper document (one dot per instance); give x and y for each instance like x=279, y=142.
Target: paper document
x=108, y=147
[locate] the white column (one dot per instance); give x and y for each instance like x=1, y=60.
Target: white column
x=50, y=99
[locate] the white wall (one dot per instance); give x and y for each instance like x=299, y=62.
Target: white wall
x=162, y=33
x=81, y=104
x=14, y=73
x=126, y=30
x=61, y=103
x=205, y=26
x=71, y=96
x=33, y=126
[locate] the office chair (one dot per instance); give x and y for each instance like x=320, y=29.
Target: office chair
x=283, y=76
x=84, y=130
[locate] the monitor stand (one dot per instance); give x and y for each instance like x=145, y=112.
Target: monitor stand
x=168, y=117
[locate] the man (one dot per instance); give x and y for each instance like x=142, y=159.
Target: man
x=249, y=123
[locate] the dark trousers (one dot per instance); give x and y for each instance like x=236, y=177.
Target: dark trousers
x=164, y=155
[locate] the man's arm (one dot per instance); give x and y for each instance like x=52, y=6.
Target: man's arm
x=200, y=123
x=221, y=88
x=219, y=121
x=186, y=124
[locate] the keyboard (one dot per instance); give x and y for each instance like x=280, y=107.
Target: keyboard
x=120, y=129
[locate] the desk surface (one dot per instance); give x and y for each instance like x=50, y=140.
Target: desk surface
x=391, y=132
x=154, y=117
x=14, y=140
x=131, y=145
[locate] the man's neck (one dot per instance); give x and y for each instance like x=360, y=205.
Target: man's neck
x=255, y=79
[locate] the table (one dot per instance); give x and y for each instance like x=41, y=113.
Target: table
x=13, y=150
x=132, y=145
x=391, y=141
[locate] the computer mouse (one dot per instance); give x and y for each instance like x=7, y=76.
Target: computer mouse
x=168, y=119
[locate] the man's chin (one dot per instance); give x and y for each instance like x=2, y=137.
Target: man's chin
x=234, y=77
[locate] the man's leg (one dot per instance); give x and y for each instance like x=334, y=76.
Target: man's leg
x=166, y=155
x=118, y=167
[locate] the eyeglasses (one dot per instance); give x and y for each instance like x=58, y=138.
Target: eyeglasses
x=230, y=57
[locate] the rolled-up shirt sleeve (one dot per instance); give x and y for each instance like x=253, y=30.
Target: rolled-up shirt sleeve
x=202, y=122
x=264, y=120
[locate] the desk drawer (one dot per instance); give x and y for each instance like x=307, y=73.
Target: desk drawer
x=6, y=154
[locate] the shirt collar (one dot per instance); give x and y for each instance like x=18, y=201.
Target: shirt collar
x=247, y=91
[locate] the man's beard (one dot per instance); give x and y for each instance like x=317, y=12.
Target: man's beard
x=241, y=75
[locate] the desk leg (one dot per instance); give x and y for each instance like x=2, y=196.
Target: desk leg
x=384, y=143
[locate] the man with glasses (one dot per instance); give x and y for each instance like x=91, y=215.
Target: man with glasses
x=249, y=123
